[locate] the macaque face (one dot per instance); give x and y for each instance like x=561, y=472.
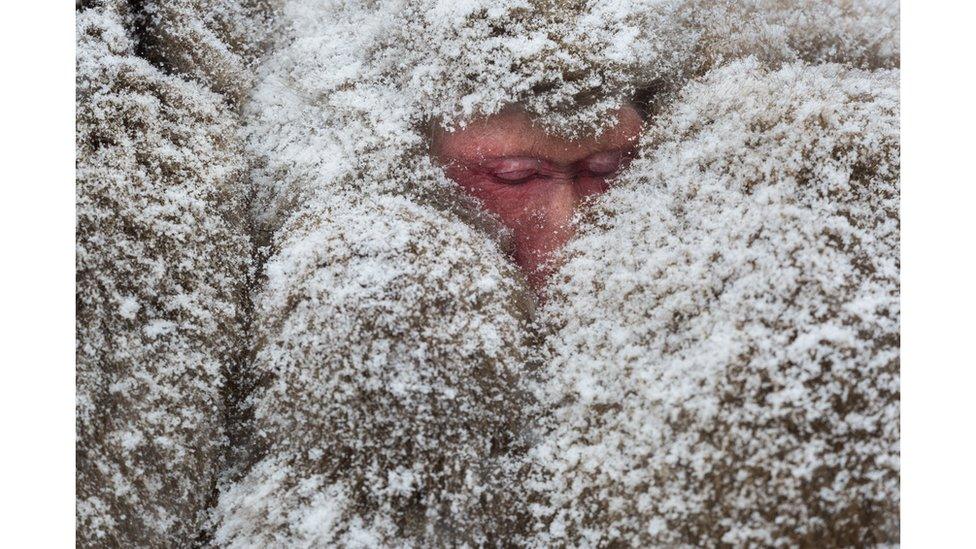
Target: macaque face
x=533, y=181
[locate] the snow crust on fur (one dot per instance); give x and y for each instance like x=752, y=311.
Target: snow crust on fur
x=716, y=363
x=162, y=255
x=345, y=113
x=860, y=33
x=214, y=42
x=569, y=63
x=393, y=377
x=723, y=365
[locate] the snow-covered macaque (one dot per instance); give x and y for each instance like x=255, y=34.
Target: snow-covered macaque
x=532, y=180
x=492, y=273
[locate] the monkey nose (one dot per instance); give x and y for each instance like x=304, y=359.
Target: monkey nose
x=562, y=206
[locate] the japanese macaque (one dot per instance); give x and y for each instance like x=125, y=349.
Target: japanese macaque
x=533, y=181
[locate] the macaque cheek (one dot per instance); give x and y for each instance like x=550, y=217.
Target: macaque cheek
x=538, y=212
x=511, y=203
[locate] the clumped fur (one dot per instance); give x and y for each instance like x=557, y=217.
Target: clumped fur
x=716, y=362
x=214, y=42
x=393, y=372
x=723, y=361
x=162, y=258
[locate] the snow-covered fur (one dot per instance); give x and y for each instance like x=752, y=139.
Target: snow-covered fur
x=393, y=381
x=162, y=259
x=723, y=362
x=859, y=33
x=210, y=41
x=716, y=361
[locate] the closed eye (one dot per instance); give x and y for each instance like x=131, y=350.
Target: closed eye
x=605, y=163
x=514, y=169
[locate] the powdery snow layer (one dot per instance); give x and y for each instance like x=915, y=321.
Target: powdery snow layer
x=860, y=33
x=210, y=41
x=392, y=374
x=350, y=90
x=723, y=362
x=162, y=256
x=716, y=362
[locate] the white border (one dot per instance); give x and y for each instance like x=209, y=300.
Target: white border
x=37, y=275
x=938, y=274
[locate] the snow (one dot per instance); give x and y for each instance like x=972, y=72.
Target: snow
x=293, y=330
x=162, y=255
x=741, y=308
x=375, y=393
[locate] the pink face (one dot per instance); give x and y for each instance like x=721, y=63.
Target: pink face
x=533, y=181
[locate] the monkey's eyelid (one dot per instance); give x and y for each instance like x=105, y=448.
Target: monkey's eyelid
x=604, y=163
x=512, y=164
x=607, y=162
x=515, y=175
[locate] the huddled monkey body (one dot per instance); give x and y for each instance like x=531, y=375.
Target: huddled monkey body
x=488, y=273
